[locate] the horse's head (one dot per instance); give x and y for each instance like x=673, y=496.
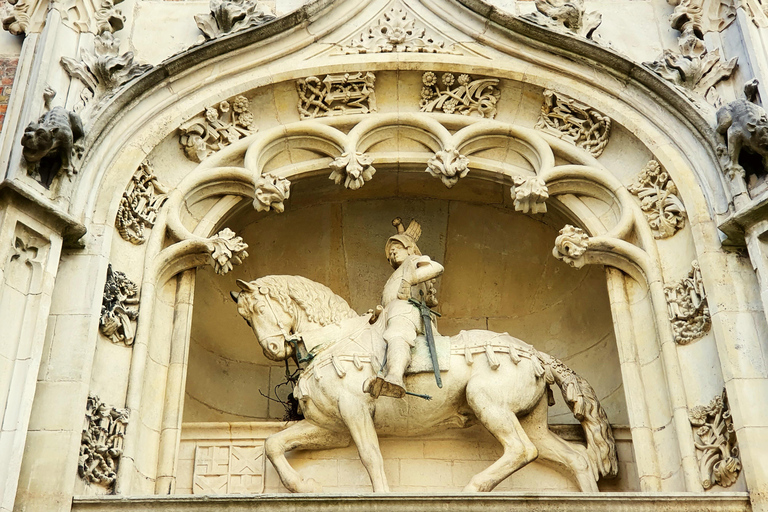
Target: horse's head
x=271, y=322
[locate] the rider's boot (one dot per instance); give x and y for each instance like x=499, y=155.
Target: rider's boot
x=398, y=359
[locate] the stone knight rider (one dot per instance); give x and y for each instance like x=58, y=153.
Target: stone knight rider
x=413, y=278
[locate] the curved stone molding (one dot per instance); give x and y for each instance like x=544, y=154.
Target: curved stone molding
x=715, y=440
x=336, y=95
x=530, y=194
x=570, y=245
x=101, y=444
x=119, y=308
x=459, y=95
x=575, y=122
x=270, y=193
x=231, y=16
x=218, y=127
x=658, y=198
x=352, y=168
x=567, y=16
x=687, y=306
x=227, y=250
x=448, y=165
x=139, y=205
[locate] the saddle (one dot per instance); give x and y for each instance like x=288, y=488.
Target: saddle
x=421, y=361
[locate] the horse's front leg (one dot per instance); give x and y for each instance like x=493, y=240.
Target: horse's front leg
x=356, y=414
x=303, y=435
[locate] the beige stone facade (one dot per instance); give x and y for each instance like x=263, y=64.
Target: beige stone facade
x=590, y=175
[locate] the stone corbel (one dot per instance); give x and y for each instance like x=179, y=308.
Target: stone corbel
x=270, y=193
x=449, y=165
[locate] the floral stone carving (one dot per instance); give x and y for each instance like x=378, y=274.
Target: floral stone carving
x=270, y=193
x=449, y=166
x=715, y=440
x=101, y=444
x=102, y=70
x=219, y=127
x=118, y=308
x=566, y=16
x=530, y=194
x=336, y=95
x=227, y=250
x=354, y=169
x=687, y=306
x=743, y=124
x=571, y=120
x=460, y=95
x=139, y=205
x=232, y=15
x=394, y=31
x=659, y=201
x=571, y=244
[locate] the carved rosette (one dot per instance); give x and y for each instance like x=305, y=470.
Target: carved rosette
x=659, y=201
x=570, y=245
x=139, y=205
x=336, y=95
x=101, y=444
x=118, y=308
x=228, y=16
x=715, y=440
x=575, y=122
x=567, y=16
x=227, y=250
x=530, y=194
x=459, y=95
x=354, y=169
x=449, y=166
x=687, y=306
x=271, y=192
x=218, y=127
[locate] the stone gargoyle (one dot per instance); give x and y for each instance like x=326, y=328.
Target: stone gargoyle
x=744, y=126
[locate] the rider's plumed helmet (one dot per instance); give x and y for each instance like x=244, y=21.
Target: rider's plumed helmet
x=407, y=237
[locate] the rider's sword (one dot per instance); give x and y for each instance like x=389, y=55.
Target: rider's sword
x=426, y=316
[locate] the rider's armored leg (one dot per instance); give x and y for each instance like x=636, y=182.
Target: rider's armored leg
x=398, y=359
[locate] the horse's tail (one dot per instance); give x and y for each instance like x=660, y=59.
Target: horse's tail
x=583, y=402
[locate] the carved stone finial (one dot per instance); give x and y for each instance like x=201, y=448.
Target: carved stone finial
x=659, y=201
x=459, y=95
x=228, y=16
x=218, y=127
x=271, y=192
x=139, y=205
x=570, y=245
x=118, y=308
x=687, y=306
x=354, y=169
x=336, y=95
x=575, y=122
x=530, y=194
x=227, y=250
x=566, y=16
x=715, y=440
x=101, y=444
x=449, y=166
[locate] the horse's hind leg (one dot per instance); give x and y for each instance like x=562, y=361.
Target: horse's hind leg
x=303, y=435
x=359, y=421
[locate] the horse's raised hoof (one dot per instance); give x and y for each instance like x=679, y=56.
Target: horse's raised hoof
x=309, y=486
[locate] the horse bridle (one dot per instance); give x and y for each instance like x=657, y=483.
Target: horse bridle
x=294, y=342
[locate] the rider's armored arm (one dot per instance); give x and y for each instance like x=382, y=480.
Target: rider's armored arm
x=424, y=270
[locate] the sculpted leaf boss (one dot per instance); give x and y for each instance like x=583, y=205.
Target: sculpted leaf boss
x=491, y=378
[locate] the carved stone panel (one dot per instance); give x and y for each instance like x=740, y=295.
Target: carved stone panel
x=658, y=199
x=335, y=95
x=715, y=440
x=118, y=308
x=139, y=205
x=459, y=95
x=687, y=306
x=102, y=442
x=575, y=122
x=229, y=468
x=218, y=127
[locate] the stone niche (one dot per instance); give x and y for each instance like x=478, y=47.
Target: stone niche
x=500, y=275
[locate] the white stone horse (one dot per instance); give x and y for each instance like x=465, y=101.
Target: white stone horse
x=495, y=379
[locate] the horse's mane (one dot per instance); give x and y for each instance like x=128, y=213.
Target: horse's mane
x=321, y=305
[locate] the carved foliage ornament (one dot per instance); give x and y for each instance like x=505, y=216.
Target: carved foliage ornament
x=218, y=127
x=687, y=307
x=461, y=95
x=139, y=205
x=715, y=440
x=118, y=308
x=566, y=16
x=227, y=250
x=571, y=244
x=334, y=95
x=21, y=16
x=354, y=169
x=530, y=194
x=574, y=122
x=658, y=199
x=232, y=15
x=101, y=443
x=270, y=193
x=449, y=166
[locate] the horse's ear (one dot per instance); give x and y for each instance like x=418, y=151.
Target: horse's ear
x=244, y=285
x=234, y=295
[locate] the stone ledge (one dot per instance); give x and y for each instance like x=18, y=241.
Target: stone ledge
x=561, y=502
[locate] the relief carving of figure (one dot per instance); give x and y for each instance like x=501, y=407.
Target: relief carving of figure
x=353, y=358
